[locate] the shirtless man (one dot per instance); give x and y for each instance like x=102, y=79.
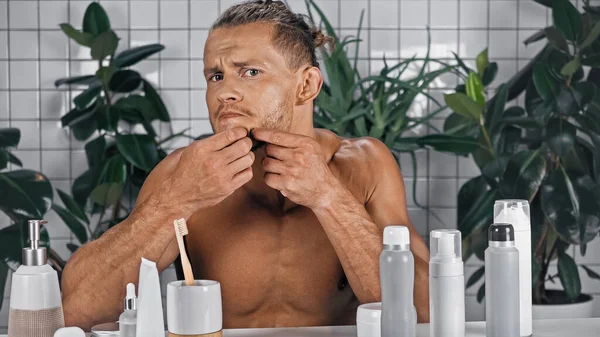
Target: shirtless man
x=293, y=229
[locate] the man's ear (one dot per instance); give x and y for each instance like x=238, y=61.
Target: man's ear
x=312, y=81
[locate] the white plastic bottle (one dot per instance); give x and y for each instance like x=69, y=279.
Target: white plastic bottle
x=501, y=283
x=397, y=277
x=128, y=319
x=516, y=213
x=446, y=284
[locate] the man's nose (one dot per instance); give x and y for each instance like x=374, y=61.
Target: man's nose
x=229, y=92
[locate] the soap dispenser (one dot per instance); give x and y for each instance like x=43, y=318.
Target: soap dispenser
x=35, y=308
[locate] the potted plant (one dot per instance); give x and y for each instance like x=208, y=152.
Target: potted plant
x=546, y=152
x=378, y=106
x=115, y=103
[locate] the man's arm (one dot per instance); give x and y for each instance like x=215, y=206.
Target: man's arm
x=93, y=282
x=296, y=167
x=356, y=230
x=197, y=177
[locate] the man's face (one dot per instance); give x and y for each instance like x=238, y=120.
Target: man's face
x=248, y=81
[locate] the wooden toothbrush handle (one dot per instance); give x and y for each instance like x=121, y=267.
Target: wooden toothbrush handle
x=185, y=263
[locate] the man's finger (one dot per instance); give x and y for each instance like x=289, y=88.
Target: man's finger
x=241, y=164
x=271, y=165
x=228, y=137
x=279, y=152
x=274, y=180
x=237, y=149
x=278, y=137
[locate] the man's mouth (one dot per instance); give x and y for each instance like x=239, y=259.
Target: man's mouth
x=229, y=114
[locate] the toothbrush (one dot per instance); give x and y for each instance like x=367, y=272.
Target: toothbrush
x=181, y=230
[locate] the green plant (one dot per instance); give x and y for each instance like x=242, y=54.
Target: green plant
x=24, y=195
x=115, y=100
x=547, y=152
x=378, y=105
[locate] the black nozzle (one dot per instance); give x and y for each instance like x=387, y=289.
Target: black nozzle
x=501, y=232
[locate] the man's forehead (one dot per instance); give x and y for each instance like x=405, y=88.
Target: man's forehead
x=241, y=43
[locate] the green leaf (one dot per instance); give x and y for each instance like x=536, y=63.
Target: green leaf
x=481, y=293
x=72, y=206
x=114, y=170
x=479, y=215
x=134, y=55
x=567, y=19
x=570, y=68
x=469, y=193
x=105, y=74
x=83, y=80
x=482, y=61
x=462, y=64
x=463, y=105
x=107, y=194
x=560, y=136
x=95, y=151
x=475, y=89
x=3, y=159
x=9, y=137
x=547, y=3
x=136, y=103
x=489, y=74
x=84, y=99
x=520, y=81
x=591, y=274
x=523, y=175
x=139, y=150
x=85, y=184
x=77, y=116
x=107, y=118
x=25, y=193
x=537, y=36
x=448, y=143
x=587, y=90
x=508, y=140
x=496, y=168
x=476, y=276
x=83, y=131
x=556, y=39
x=458, y=125
x=594, y=76
x=159, y=106
x=545, y=85
x=568, y=102
x=592, y=37
x=76, y=227
x=104, y=45
x=569, y=275
x=11, y=244
x=95, y=20
x=3, y=277
x=571, y=203
x=82, y=38
x=125, y=81
x=497, y=106
x=14, y=160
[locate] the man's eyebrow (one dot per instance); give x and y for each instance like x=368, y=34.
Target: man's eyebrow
x=211, y=70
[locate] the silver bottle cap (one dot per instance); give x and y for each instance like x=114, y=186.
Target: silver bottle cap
x=34, y=255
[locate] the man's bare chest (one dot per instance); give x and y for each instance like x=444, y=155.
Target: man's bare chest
x=267, y=260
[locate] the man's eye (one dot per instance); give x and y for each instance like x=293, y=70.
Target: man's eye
x=216, y=77
x=252, y=72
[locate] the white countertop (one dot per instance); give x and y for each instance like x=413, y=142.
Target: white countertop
x=589, y=327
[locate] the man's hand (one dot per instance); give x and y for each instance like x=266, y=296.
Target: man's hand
x=296, y=166
x=211, y=169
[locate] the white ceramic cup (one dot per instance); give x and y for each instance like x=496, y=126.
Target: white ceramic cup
x=194, y=310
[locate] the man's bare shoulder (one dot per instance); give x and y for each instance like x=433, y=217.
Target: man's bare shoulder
x=361, y=163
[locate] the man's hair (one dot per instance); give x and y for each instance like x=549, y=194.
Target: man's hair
x=293, y=35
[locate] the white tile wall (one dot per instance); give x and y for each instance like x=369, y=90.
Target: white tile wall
x=34, y=53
